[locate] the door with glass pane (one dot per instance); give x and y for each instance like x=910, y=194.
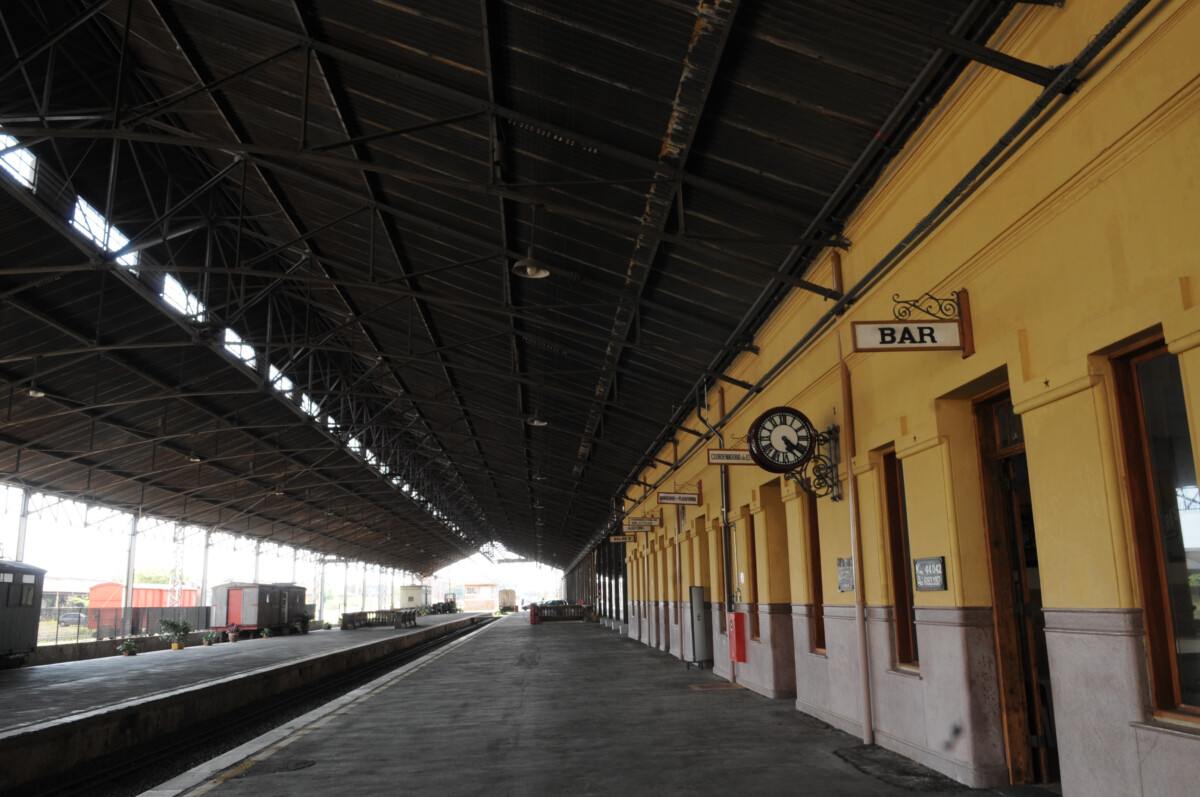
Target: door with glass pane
x=1165, y=508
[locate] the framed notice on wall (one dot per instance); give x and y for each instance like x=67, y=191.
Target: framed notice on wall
x=845, y=571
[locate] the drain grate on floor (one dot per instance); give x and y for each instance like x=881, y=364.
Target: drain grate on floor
x=713, y=687
x=895, y=769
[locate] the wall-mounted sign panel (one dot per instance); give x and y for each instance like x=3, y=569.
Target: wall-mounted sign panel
x=642, y=522
x=729, y=456
x=845, y=571
x=622, y=538
x=930, y=573
x=907, y=335
x=685, y=499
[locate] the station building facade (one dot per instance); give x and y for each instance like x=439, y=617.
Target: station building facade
x=1044, y=475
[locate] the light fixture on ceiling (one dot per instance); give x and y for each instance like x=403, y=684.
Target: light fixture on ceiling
x=529, y=267
x=193, y=458
x=537, y=477
x=534, y=420
x=33, y=388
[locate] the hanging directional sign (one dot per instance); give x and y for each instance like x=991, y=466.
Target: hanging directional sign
x=685, y=498
x=642, y=522
x=907, y=335
x=622, y=538
x=729, y=456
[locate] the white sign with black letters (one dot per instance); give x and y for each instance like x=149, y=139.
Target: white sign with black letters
x=729, y=456
x=907, y=335
x=686, y=499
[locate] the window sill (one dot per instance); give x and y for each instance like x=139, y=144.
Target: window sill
x=906, y=672
x=820, y=654
x=1175, y=724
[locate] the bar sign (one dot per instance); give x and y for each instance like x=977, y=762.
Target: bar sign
x=686, y=499
x=622, y=538
x=907, y=335
x=642, y=522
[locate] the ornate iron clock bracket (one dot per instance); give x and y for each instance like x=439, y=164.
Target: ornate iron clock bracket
x=819, y=476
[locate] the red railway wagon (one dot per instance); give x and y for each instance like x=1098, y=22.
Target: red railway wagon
x=106, y=601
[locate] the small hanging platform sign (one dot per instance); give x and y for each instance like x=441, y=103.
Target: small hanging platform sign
x=622, y=538
x=642, y=522
x=686, y=499
x=729, y=456
x=930, y=573
x=907, y=335
x=845, y=571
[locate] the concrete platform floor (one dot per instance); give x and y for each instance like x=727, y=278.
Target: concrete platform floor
x=555, y=709
x=57, y=691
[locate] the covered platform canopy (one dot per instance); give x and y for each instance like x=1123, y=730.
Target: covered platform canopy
x=406, y=279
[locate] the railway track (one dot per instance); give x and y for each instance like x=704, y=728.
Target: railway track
x=140, y=768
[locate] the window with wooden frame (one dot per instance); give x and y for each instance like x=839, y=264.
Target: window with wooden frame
x=1165, y=509
x=899, y=558
x=816, y=620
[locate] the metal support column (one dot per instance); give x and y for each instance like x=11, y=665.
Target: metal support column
x=22, y=525
x=257, y=554
x=126, y=614
x=204, y=570
x=321, y=592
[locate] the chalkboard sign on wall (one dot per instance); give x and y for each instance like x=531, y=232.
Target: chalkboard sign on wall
x=930, y=573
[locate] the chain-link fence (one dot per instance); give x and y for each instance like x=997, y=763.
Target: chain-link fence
x=69, y=624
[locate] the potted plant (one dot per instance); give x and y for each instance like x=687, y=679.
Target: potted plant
x=177, y=630
x=303, y=620
x=232, y=631
x=209, y=638
x=127, y=648
x=265, y=633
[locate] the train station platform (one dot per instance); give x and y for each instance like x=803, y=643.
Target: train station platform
x=559, y=708
x=72, y=713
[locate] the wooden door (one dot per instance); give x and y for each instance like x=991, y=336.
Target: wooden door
x=1023, y=665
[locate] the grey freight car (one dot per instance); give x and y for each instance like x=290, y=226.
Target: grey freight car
x=253, y=607
x=20, y=610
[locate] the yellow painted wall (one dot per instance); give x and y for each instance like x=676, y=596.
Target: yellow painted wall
x=1085, y=238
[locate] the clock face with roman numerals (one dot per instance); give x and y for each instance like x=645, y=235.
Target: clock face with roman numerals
x=781, y=439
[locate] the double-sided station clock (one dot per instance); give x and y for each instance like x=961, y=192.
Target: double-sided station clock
x=781, y=440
